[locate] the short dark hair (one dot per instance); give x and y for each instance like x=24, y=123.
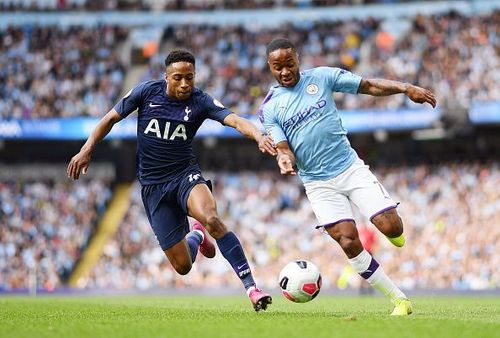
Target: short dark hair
x=179, y=55
x=279, y=43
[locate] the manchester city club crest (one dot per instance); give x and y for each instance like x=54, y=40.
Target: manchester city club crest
x=312, y=89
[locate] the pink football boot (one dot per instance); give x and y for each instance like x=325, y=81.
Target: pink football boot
x=259, y=299
x=207, y=248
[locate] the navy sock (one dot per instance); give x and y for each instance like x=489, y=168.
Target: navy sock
x=194, y=240
x=231, y=249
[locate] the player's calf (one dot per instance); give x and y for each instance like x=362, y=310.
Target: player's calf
x=346, y=235
x=390, y=224
x=180, y=258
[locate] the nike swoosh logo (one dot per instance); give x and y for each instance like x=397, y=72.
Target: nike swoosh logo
x=239, y=267
x=154, y=105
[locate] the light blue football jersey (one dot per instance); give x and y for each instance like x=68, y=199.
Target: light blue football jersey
x=307, y=118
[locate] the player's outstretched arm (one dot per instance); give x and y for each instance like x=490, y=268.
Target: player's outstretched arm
x=248, y=129
x=80, y=162
x=382, y=87
x=285, y=159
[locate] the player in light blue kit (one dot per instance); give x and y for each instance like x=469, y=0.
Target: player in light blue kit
x=300, y=115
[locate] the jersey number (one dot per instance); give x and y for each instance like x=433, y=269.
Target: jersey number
x=193, y=177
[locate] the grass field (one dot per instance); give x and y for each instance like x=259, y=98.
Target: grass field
x=181, y=316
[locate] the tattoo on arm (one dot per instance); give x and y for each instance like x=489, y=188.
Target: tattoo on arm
x=381, y=87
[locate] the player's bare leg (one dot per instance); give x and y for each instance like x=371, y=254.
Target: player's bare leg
x=346, y=234
x=201, y=206
x=390, y=224
x=180, y=258
x=183, y=254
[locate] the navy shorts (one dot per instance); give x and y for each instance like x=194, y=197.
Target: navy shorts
x=166, y=206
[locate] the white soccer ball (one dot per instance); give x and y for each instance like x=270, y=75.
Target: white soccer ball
x=300, y=281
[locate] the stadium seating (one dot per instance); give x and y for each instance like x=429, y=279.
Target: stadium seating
x=453, y=54
x=70, y=79
x=172, y=5
x=231, y=59
x=274, y=221
x=45, y=225
x=51, y=72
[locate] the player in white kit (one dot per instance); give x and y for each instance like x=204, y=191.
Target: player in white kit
x=302, y=118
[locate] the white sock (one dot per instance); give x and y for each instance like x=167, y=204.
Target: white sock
x=201, y=234
x=378, y=279
x=361, y=262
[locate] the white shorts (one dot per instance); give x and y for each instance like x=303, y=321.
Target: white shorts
x=331, y=199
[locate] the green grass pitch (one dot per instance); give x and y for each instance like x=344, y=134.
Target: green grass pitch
x=205, y=317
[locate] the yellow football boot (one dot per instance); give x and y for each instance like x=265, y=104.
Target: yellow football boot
x=398, y=241
x=402, y=308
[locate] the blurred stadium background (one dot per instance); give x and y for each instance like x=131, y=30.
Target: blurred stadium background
x=64, y=63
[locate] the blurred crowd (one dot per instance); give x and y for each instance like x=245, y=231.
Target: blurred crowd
x=231, y=62
x=56, y=72
x=451, y=214
x=59, y=72
x=169, y=5
x=458, y=57
x=455, y=55
x=44, y=228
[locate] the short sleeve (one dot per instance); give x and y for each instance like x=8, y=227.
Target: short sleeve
x=341, y=80
x=214, y=109
x=130, y=102
x=268, y=119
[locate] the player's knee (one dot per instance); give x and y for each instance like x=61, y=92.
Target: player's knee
x=214, y=226
x=394, y=227
x=397, y=229
x=389, y=223
x=351, y=246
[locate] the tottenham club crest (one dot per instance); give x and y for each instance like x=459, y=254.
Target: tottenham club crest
x=187, y=111
x=312, y=89
x=218, y=104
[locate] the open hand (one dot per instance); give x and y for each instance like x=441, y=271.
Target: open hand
x=421, y=95
x=286, y=166
x=78, y=164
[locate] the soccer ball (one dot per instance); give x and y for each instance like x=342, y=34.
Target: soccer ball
x=300, y=281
